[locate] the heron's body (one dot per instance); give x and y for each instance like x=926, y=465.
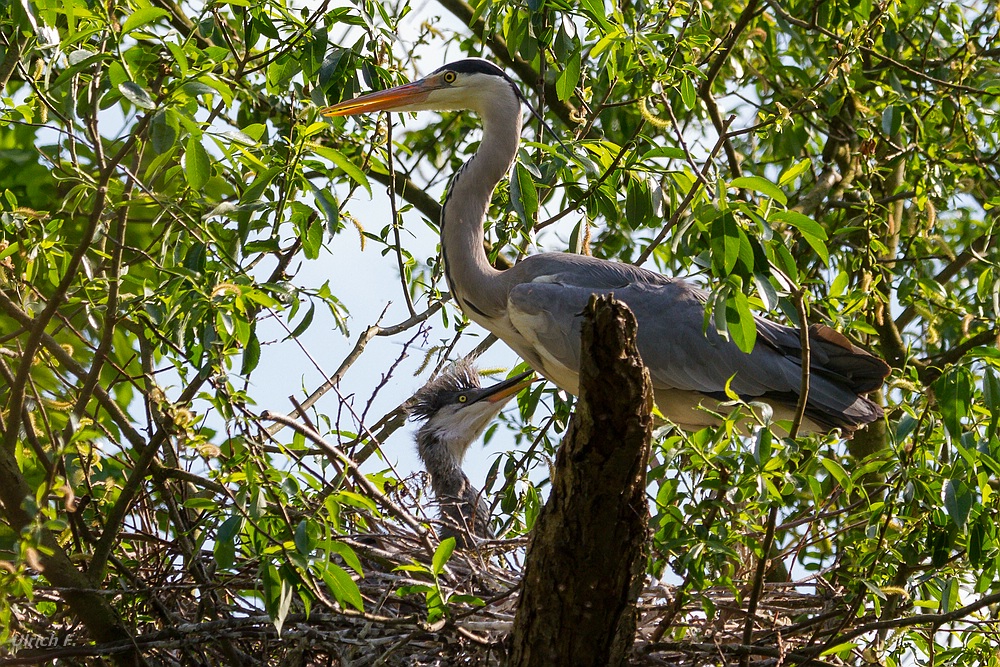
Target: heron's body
x=455, y=410
x=535, y=306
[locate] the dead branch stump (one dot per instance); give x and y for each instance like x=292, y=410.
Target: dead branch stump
x=583, y=570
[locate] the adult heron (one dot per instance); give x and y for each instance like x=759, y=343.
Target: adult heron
x=455, y=410
x=535, y=306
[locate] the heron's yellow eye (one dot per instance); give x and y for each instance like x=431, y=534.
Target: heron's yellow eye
x=463, y=398
x=449, y=77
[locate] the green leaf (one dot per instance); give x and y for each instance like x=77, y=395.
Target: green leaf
x=281, y=601
x=761, y=185
x=740, y=321
x=251, y=355
x=304, y=324
x=762, y=447
x=638, y=202
x=953, y=391
x=137, y=95
x=892, y=120
x=9, y=250
x=811, y=231
x=442, y=554
x=238, y=137
x=595, y=10
x=256, y=189
x=766, y=291
x=570, y=76
x=523, y=195
x=838, y=473
x=687, y=93
x=839, y=648
x=312, y=239
x=794, y=171
x=347, y=553
x=949, y=595
x=164, y=130
x=343, y=587
x=225, y=542
x=328, y=203
x=303, y=541
x=141, y=17
x=991, y=391
x=977, y=538
x=197, y=166
x=958, y=501
x=724, y=241
x=669, y=152
x=341, y=161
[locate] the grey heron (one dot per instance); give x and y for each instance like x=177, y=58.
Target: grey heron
x=455, y=410
x=535, y=306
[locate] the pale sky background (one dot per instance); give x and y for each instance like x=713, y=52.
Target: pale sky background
x=366, y=282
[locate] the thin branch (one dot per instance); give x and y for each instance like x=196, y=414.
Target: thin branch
x=396, y=221
x=359, y=346
x=800, y=407
x=622, y=152
x=337, y=456
x=695, y=188
x=524, y=69
x=705, y=90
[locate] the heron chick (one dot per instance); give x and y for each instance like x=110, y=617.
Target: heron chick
x=455, y=410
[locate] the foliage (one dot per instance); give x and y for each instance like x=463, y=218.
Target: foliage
x=164, y=173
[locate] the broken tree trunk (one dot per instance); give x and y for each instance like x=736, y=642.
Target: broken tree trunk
x=584, y=568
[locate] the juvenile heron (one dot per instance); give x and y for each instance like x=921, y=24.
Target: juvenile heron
x=455, y=410
x=535, y=306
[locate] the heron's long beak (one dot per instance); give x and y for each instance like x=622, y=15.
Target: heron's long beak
x=384, y=100
x=503, y=390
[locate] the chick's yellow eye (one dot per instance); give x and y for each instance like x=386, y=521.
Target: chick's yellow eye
x=463, y=399
x=449, y=77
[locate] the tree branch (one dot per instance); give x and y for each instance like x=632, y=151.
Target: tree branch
x=583, y=570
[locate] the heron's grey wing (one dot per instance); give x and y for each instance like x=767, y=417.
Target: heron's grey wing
x=675, y=349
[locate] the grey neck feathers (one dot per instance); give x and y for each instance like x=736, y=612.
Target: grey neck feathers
x=462, y=510
x=470, y=276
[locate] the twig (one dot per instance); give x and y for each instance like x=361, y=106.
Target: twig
x=366, y=336
x=337, y=456
x=695, y=187
x=800, y=408
x=622, y=152
x=758, y=581
x=396, y=221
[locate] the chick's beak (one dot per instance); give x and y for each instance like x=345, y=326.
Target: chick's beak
x=384, y=100
x=504, y=390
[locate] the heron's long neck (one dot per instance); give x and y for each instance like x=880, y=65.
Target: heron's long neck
x=470, y=276
x=447, y=477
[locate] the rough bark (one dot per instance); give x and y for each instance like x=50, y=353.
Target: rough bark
x=583, y=570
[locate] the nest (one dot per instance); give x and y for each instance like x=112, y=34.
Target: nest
x=179, y=619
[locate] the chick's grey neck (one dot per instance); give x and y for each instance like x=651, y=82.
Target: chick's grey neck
x=447, y=477
x=470, y=277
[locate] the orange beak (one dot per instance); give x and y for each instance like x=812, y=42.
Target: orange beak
x=384, y=100
x=504, y=390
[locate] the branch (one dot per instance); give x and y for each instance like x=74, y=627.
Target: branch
x=13, y=55
x=583, y=569
x=695, y=188
x=705, y=91
x=525, y=71
x=933, y=620
x=974, y=251
x=339, y=458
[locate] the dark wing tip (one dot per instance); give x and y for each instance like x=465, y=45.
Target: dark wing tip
x=861, y=370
